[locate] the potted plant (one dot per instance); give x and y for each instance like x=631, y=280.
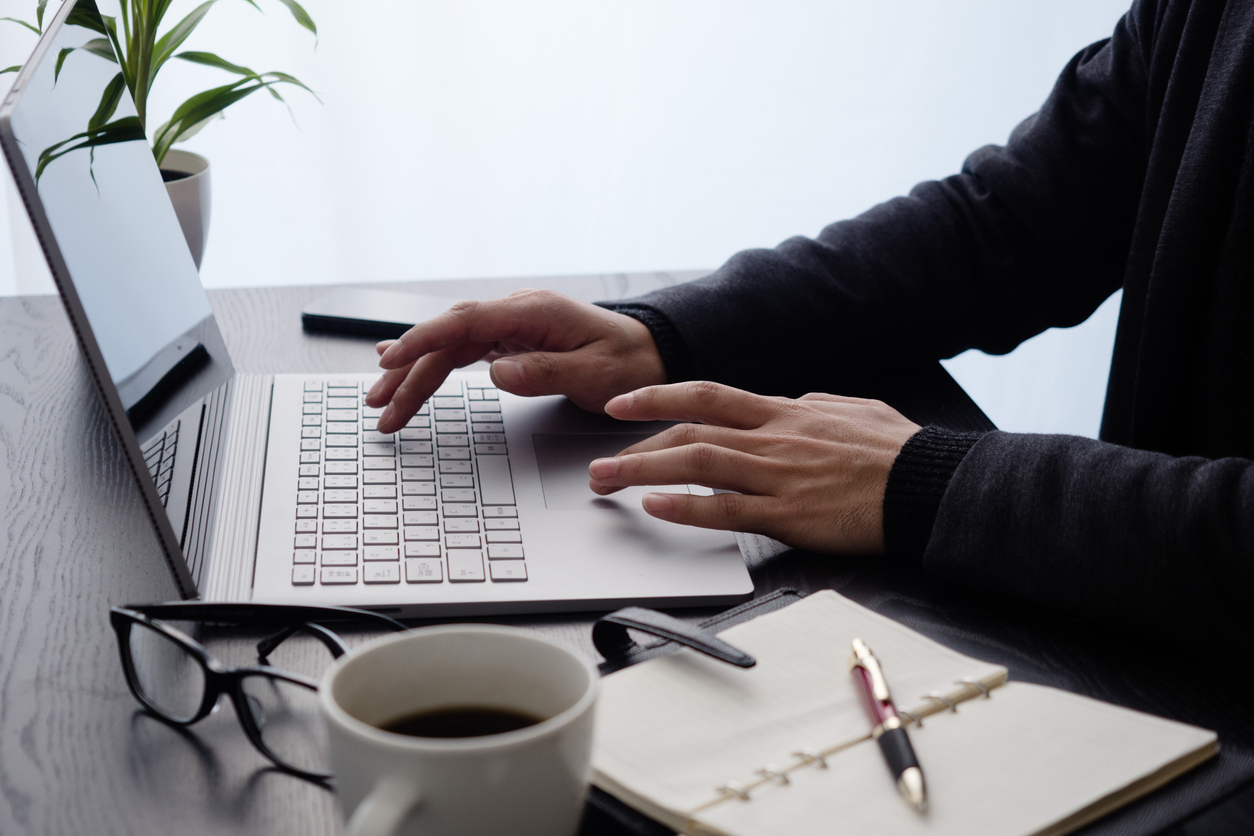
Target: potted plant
x=132, y=41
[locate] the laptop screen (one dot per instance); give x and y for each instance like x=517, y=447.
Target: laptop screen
x=103, y=197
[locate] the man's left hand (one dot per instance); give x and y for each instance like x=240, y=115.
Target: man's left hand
x=809, y=472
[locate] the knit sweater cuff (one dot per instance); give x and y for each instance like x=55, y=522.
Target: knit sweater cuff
x=676, y=357
x=916, y=485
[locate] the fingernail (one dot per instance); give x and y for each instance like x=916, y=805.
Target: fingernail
x=657, y=504
x=374, y=389
x=386, y=416
x=622, y=403
x=603, y=468
x=507, y=374
x=388, y=355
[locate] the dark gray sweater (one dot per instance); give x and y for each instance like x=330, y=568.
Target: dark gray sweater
x=1138, y=172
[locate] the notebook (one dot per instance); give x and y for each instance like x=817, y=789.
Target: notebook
x=785, y=747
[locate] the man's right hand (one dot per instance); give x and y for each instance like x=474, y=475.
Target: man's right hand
x=539, y=343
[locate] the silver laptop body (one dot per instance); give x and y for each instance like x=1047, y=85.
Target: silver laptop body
x=277, y=487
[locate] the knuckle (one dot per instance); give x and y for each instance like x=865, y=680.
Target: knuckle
x=730, y=505
x=465, y=309
x=704, y=391
x=682, y=435
x=701, y=458
x=543, y=367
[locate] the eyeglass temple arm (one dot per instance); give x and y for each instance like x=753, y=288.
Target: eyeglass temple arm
x=333, y=643
x=248, y=612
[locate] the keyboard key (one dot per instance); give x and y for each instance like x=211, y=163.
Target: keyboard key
x=484, y=427
x=306, y=541
x=489, y=438
x=380, y=492
x=342, y=383
x=379, y=506
x=423, y=447
x=499, y=525
x=491, y=395
x=503, y=537
x=381, y=553
x=302, y=575
x=310, y=420
x=461, y=526
x=419, y=570
x=335, y=576
x=340, y=454
x=418, y=503
x=461, y=541
x=498, y=511
x=339, y=414
x=339, y=541
x=311, y=432
x=490, y=450
x=379, y=537
x=454, y=453
x=339, y=558
x=345, y=511
x=377, y=438
x=474, y=394
x=340, y=482
x=309, y=470
x=451, y=427
x=418, y=421
x=408, y=434
x=418, y=474
x=418, y=489
x=450, y=495
x=455, y=467
x=461, y=511
x=457, y=481
x=422, y=550
x=339, y=526
x=340, y=467
x=310, y=458
x=312, y=397
x=449, y=389
x=495, y=485
x=306, y=511
x=339, y=496
x=379, y=477
x=382, y=573
x=505, y=551
x=304, y=556
x=311, y=408
x=378, y=449
x=485, y=406
x=307, y=497
x=508, y=570
x=416, y=461
x=307, y=483
x=421, y=518
x=453, y=440
x=306, y=526
x=379, y=521
x=379, y=464
x=440, y=414
x=341, y=440
x=341, y=403
x=447, y=403
x=372, y=412
x=313, y=385
x=342, y=428
x=465, y=566
x=422, y=533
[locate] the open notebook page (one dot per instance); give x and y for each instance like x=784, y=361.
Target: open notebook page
x=1019, y=763
x=674, y=729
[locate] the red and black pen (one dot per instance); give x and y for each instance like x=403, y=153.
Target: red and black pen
x=888, y=729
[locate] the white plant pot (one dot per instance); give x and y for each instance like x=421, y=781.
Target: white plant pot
x=190, y=196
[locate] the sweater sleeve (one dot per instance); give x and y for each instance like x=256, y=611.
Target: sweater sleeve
x=1028, y=236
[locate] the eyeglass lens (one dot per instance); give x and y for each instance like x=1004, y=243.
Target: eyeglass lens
x=171, y=679
x=287, y=716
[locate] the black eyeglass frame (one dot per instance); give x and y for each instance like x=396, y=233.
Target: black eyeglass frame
x=224, y=679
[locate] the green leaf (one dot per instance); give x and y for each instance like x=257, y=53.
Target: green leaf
x=126, y=129
x=39, y=12
x=84, y=15
x=302, y=16
x=197, y=109
x=109, y=101
x=211, y=60
x=11, y=69
x=29, y=26
x=96, y=46
x=172, y=40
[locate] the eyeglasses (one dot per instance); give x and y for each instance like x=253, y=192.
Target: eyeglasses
x=177, y=680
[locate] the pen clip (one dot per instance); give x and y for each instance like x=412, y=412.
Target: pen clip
x=861, y=657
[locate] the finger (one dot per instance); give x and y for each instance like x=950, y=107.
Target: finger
x=546, y=373
x=421, y=382
x=526, y=317
x=694, y=464
x=385, y=387
x=382, y=346
x=724, y=511
x=682, y=435
x=824, y=396
x=697, y=400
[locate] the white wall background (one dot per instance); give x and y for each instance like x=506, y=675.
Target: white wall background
x=506, y=138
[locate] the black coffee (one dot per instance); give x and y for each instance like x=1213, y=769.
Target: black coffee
x=460, y=721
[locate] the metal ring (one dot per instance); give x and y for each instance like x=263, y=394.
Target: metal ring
x=773, y=771
x=910, y=718
x=983, y=688
x=953, y=706
x=811, y=756
x=734, y=789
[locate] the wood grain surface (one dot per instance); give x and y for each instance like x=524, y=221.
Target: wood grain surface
x=77, y=756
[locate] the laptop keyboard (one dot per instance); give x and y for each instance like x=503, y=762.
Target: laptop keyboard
x=159, y=452
x=432, y=503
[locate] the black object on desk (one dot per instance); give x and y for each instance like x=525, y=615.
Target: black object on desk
x=370, y=313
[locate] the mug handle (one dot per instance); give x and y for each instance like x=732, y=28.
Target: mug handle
x=384, y=808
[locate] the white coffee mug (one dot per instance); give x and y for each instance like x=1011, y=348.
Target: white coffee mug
x=530, y=781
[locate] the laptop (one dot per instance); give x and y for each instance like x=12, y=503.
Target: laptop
x=278, y=487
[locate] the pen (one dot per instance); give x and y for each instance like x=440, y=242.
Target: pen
x=888, y=729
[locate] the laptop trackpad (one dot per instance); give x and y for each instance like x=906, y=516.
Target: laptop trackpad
x=564, y=459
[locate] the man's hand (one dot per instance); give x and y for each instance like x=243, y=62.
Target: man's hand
x=539, y=342
x=809, y=472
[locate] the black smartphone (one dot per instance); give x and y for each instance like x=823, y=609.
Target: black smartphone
x=385, y=314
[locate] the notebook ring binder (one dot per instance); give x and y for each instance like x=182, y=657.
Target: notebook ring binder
x=950, y=704
x=910, y=718
x=976, y=683
x=813, y=756
x=772, y=772
x=734, y=789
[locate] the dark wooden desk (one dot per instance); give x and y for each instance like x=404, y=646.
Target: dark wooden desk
x=78, y=757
